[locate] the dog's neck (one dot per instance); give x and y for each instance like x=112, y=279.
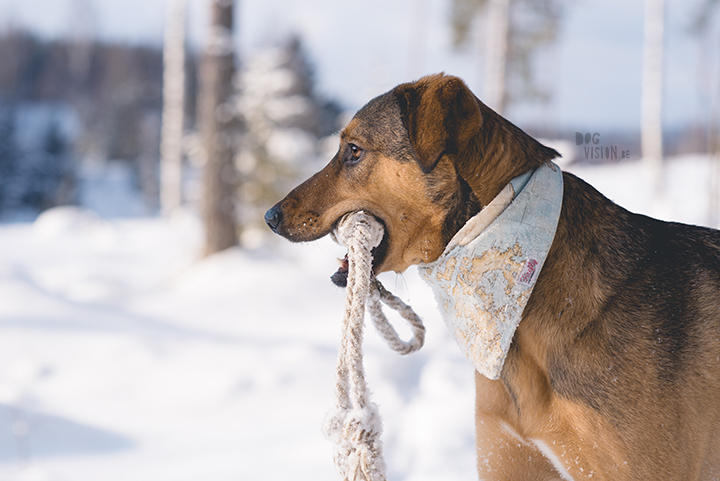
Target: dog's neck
x=497, y=154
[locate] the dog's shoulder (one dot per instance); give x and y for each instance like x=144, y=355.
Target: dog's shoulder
x=612, y=233
x=619, y=281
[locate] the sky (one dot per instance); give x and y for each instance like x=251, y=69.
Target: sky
x=362, y=48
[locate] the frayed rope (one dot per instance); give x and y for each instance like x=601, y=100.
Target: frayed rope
x=355, y=426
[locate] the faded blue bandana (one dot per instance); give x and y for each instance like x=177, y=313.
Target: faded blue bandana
x=485, y=276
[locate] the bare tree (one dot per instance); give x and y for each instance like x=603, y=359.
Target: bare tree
x=651, y=100
x=82, y=31
x=417, y=45
x=498, y=23
x=514, y=32
x=173, y=107
x=714, y=180
x=216, y=118
x=710, y=89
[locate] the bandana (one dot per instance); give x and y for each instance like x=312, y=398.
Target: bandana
x=484, y=279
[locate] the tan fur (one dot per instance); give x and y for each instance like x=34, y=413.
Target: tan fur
x=614, y=371
x=411, y=219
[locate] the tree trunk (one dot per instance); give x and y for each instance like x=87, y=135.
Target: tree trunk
x=652, y=93
x=216, y=119
x=173, y=107
x=498, y=21
x=714, y=207
x=417, y=50
x=713, y=148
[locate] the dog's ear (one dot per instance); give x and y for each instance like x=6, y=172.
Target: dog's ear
x=440, y=114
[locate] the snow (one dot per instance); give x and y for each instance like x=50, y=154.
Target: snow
x=124, y=356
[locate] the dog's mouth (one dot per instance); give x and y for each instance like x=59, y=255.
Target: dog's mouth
x=340, y=277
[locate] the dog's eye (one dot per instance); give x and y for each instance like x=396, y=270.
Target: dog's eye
x=354, y=153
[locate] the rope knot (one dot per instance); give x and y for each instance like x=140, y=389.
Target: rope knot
x=362, y=424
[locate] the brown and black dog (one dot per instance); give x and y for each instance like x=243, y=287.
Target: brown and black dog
x=614, y=371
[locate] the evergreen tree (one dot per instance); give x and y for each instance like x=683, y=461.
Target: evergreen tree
x=57, y=169
x=283, y=120
x=8, y=155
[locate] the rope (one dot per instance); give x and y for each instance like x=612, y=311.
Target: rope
x=355, y=426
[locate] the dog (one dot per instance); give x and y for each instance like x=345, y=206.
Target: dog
x=614, y=370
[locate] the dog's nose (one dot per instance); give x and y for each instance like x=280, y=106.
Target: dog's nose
x=273, y=217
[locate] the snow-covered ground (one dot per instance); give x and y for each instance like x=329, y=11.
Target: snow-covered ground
x=123, y=356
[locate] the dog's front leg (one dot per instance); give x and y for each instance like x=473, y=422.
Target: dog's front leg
x=502, y=454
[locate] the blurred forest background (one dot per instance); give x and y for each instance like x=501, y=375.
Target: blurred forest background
x=69, y=109
x=76, y=109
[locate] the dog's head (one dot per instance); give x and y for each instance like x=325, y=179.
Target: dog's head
x=409, y=158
